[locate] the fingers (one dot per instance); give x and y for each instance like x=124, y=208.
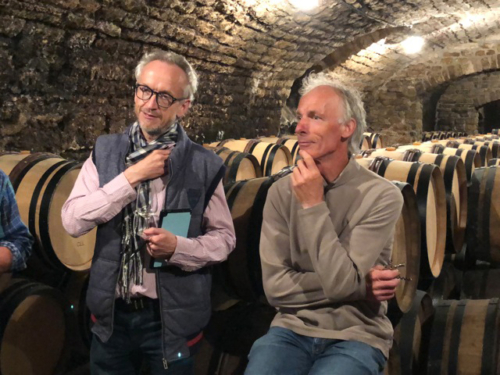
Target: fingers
x=307, y=160
x=153, y=231
x=385, y=285
x=383, y=274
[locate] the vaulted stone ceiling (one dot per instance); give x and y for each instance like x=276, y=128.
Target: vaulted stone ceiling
x=67, y=65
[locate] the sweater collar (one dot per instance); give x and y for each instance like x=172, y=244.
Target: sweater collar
x=345, y=176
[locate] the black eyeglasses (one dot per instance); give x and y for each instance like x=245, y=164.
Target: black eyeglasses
x=163, y=99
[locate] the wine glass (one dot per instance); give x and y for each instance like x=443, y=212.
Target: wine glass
x=151, y=221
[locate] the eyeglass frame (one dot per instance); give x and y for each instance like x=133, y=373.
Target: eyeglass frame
x=153, y=92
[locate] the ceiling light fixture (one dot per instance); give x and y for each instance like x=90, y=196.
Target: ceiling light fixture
x=305, y=4
x=413, y=44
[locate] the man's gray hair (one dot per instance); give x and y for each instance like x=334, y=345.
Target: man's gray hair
x=175, y=59
x=353, y=105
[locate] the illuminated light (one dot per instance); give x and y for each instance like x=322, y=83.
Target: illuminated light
x=413, y=44
x=378, y=47
x=72, y=307
x=179, y=355
x=305, y=4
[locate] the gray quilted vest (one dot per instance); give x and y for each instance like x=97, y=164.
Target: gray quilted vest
x=184, y=296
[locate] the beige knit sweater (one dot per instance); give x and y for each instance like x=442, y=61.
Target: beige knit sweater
x=314, y=261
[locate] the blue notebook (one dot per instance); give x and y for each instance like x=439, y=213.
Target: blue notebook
x=176, y=222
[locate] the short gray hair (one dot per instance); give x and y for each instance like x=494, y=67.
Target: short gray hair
x=175, y=59
x=351, y=98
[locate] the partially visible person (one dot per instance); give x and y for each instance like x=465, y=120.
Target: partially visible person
x=327, y=235
x=15, y=239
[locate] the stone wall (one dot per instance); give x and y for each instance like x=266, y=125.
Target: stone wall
x=67, y=66
x=458, y=106
x=399, y=89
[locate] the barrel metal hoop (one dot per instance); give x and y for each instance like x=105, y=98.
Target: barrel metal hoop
x=473, y=211
x=484, y=247
x=233, y=168
x=43, y=222
x=490, y=342
x=407, y=325
x=456, y=329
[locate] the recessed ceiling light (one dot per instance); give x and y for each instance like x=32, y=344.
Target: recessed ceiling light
x=305, y=4
x=413, y=44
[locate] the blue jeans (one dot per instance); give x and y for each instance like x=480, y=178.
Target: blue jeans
x=281, y=351
x=136, y=338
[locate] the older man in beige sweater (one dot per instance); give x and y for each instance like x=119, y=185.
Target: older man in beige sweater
x=325, y=227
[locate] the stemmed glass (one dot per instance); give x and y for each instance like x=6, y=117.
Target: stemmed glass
x=151, y=221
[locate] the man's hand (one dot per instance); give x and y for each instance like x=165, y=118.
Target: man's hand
x=307, y=182
x=381, y=284
x=152, y=166
x=161, y=243
x=5, y=259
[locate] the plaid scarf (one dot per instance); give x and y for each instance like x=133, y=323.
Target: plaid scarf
x=137, y=213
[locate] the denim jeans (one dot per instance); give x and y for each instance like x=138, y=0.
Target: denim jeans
x=283, y=352
x=136, y=338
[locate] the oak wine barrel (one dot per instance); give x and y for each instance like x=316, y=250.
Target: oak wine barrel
x=427, y=182
x=375, y=140
x=412, y=334
x=75, y=292
x=42, y=183
x=481, y=284
x=470, y=158
x=241, y=274
x=364, y=144
x=291, y=143
x=455, y=183
x=4, y=280
x=393, y=153
x=483, y=217
x=32, y=329
x=447, y=285
x=406, y=248
x=272, y=157
x=483, y=151
x=239, y=165
x=464, y=338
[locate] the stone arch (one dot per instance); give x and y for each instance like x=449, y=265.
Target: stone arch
x=458, y=106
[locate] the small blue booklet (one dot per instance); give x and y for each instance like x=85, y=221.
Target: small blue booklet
x=176, y=222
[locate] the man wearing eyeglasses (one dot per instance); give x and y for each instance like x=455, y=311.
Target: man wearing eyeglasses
x=142, y=313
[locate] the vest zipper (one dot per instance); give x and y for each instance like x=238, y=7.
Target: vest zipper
x=158, y=289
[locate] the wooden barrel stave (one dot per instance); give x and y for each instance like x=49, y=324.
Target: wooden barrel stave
x=42, y=183
x=483, y=221
x=241, y=273
x=428, y=184
x=464, y=338
x=412, y=334
x=239, y=165
x=455, y=181
x=33, y=329
x=406, y=248
x=272, y=157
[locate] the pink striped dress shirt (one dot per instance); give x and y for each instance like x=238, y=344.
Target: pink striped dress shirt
x=89, y=205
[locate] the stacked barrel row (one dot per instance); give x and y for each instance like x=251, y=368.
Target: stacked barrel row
x=427, y=136
x=441, y=334
x=44, y=318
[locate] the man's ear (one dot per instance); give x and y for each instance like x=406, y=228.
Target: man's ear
x=348, y=128
x=184, y=107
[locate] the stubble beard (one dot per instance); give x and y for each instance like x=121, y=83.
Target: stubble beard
x=155, y=132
